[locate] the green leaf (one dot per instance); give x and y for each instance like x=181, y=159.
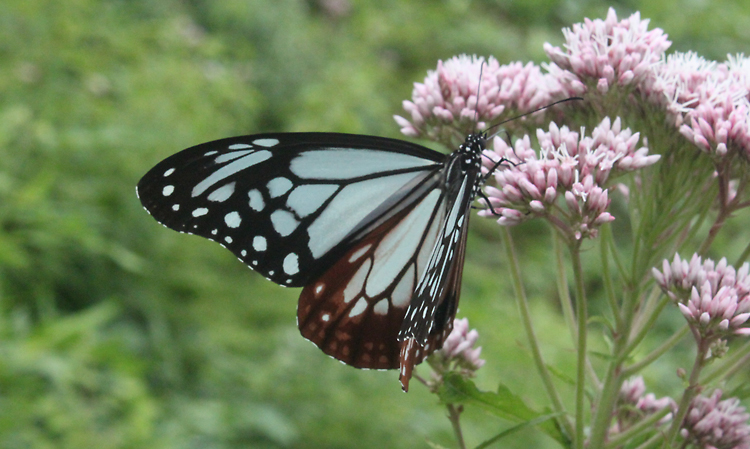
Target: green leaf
x=503, y=404
x=516, y=428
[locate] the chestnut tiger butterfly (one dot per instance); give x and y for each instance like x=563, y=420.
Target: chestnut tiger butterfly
x=373, y=229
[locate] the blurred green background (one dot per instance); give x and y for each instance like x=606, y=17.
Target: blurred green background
x=116, y=333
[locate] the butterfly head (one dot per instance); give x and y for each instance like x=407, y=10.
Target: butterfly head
x=471, y=152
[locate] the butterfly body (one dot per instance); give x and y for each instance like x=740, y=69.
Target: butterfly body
x=373, y=228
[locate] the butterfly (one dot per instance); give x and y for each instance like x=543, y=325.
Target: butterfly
x=373, y=229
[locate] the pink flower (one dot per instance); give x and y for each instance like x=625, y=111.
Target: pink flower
x=459, y=345
x=569, y=170
x=633, y=405
x=607, y=53
x=458, y=354
x=714, y=298
x=708, y=101
x=445, y=107
x=711, y=423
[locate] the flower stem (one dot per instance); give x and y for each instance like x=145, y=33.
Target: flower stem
x=656, y=353
x=454, y=415
x=647, y=326
x=562, y=286
x=628, y=435
x=607, y=278
x=567, y=305
x=523, y=308
x=582, y=318
x=690, y=392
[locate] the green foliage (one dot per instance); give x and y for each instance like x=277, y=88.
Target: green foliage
x=117, y=334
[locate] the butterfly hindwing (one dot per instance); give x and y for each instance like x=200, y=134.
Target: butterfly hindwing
x=429, y=317
x=353, y=312
x=285, y=204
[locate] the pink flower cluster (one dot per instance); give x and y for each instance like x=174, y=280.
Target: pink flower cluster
x=709, y=101
x=571, y=169
x=445, y=107
x=711, y=423
x=633, y=405
x=604, y=53
x=458, y=354
x=459, y=345
x=714, y=298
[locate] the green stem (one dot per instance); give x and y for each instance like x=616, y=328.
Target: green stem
x=582, y=318
x=690, y=392
x=609, y=284
x=647, y=326
x=523, y=308
x=647, y=424
x=567, y=305
x=612, y=382
x=562, y=286
x=656, y=353
x=454, y=414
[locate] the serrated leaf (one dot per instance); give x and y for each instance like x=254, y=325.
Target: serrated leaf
x=503, y=403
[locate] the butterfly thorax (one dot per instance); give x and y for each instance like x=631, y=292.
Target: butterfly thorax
x=467, y=161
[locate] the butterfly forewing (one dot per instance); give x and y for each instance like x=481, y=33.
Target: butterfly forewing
x=285, y=204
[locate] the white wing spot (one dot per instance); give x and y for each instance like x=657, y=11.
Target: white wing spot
x=347, y=163
x=271, y=272
x=359, y=253
x=239, y=146
x=231, y=156
x=214, y=231
x=259, y=243
x=200, y=212
x=381, y=307
x=306, y=199
x=283, y=222
x=358, y=308
x=175, y=207
x=232, y=219
x=231, y=169
x=256, y=200
x=167, y=190
x=255, y=263
x=243, y=252
x=222, y=193
x=325, y=317
x=278, y=187
x=210, y=153
x=168, y=172
x=228, y=239
x=291, y=264
x=319, y=288
x=355, y=284
x=266, y=142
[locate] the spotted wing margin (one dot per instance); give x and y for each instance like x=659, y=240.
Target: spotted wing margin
x=429, y=317
x=288, y=205
x=354, y=310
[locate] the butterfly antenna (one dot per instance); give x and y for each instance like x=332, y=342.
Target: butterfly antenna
x=529, y=113
x=476, y=105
